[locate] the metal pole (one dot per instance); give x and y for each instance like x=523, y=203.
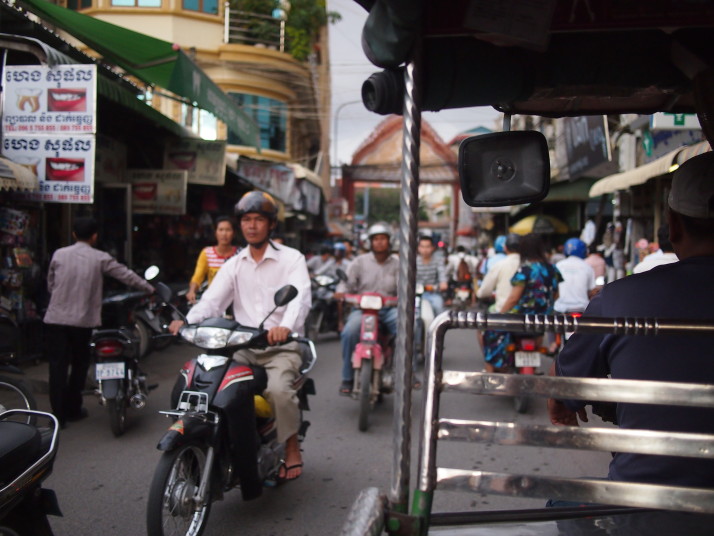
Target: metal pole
x=226, y=21
x=335, y=124
x=399, y=492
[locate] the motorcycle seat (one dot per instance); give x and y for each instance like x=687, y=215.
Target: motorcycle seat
x=20, y=447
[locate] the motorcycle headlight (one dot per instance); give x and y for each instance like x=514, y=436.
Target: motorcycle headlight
x=239, y=337
x=370, y=302
x=323, y=280
x=211, y=338
x=188, y=333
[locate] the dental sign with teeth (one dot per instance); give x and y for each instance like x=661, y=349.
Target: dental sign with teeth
x=64, y=165
x=54, y=101
x=49, y=124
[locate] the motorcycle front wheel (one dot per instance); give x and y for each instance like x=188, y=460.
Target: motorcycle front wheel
x=365, y=388
x=14, y=394
x=116, y=407
x=172, y=510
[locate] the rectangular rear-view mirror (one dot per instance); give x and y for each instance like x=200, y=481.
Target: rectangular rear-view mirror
x=504, y=168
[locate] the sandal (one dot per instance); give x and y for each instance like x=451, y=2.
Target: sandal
x=346, y=388
x=280, y=479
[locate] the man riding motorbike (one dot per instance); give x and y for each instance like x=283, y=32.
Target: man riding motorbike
x=375, y=271
x=578, y=284
x=249, y=281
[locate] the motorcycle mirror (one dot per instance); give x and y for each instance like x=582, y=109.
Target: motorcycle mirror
x=341, y=275
x=283, y=296
x=163, y=291
x=151, y=272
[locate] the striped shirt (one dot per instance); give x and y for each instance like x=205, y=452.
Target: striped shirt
x=431, y=273
x=208, y=264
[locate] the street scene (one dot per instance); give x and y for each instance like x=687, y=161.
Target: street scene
x=102, y=482
x=356, y=267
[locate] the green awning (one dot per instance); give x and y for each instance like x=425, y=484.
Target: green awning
x=576, y=190
x=153, y=61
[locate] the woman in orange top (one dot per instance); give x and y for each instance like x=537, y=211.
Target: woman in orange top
x=212, y=258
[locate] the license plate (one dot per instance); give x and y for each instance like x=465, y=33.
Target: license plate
x=528, y=359
x=110, y=371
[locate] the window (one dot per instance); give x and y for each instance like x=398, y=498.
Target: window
x=271, y=116
x=199, y=121
x=136, y=3
x=204, y=6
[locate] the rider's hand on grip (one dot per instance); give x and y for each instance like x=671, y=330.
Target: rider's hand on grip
x=278, y=335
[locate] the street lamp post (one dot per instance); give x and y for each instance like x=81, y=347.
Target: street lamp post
x=335, y=124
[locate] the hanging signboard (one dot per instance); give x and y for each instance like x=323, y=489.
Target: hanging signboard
x=583, y=147
x=669, y=121
x=59, y=100
x=158, y=191
x=64, y=166
x=203, y=160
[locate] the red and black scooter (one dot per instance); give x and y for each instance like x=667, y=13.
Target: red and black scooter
x=224, y=433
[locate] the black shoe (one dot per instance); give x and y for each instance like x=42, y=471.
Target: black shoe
x=83, y=414
x=346, y=388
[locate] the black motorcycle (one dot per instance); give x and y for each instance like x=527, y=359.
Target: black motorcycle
x=224, y=434
x=323, y=316
x=27, y=453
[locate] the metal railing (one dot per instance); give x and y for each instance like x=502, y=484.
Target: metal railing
x=603, y=492
x=244, y=28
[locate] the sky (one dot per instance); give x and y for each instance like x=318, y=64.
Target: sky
x=350, y=68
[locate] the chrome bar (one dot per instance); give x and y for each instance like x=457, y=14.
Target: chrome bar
x=573, y=437
x=587, y=490
x=599, y=389
x=562, y=323
x=409, y=204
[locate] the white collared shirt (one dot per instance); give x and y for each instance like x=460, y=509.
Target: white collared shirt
x=250, y=286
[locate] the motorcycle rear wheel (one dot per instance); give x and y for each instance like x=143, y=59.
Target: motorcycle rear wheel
x=143, y=333
x=170, y=510
x=365, y=388
x=14, y=394
x=116, y=407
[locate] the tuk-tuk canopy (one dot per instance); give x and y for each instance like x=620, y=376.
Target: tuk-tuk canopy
x=552, y=58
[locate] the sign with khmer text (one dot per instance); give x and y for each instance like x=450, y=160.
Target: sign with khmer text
x=58, y=100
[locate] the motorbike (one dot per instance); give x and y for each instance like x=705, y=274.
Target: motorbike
x=323, y=316
x=223, y=434
x=120, y=382
x=525, y=353
x=27, y=453
x=462, y=292
x=372, y=359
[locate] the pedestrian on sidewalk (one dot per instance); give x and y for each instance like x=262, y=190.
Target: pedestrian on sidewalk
x=74, y=282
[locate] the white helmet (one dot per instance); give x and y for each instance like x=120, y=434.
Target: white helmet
x=379, y=228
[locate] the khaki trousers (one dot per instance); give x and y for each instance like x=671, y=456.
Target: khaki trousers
x=282, y=363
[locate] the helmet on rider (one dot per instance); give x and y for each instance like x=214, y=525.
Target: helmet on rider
x=257, y=201
x=339, y=246
x=499, y=243
x=575, y=246
x=379, y=228
x=512, y=242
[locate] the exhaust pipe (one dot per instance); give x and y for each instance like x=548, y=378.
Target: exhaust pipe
x=138, y=401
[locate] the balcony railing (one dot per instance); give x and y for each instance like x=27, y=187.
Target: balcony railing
x=254, y=29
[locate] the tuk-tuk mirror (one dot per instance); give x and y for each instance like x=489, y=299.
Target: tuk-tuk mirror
x=504, y=168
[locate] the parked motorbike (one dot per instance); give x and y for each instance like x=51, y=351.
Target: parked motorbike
x=323, y=316
x=224, y=434
x=27, y=453
x=372, y=359
x=121, y=383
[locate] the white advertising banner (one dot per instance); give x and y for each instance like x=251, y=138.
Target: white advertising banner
x=158, y=191
x=64, y=166
x=203, y=160
x=60, y=100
